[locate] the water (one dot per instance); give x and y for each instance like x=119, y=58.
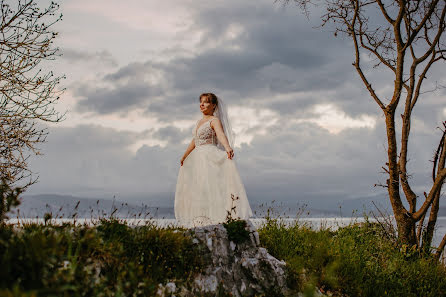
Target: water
x=315, y=223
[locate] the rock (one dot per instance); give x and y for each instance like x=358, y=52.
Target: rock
x=170, y=287
x=234, y=269
x=166, y=290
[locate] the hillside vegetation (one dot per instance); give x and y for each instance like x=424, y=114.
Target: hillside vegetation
x=114, y=259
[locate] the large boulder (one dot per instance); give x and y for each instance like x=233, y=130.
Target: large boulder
x=241, y=268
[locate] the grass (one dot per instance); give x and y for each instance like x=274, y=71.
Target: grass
x=355, y=260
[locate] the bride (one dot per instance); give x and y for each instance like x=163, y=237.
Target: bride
x=209, y=185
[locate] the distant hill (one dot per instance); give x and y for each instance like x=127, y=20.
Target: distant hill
x=331, y=207
x=64, y=206
x=317, y=207
x=377, y=204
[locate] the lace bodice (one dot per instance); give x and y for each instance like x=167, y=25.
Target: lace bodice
x=205, y=134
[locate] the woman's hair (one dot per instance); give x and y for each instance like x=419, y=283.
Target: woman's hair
x=210, y=96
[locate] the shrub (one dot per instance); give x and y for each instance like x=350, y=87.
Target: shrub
x=236, y=230
x=111, y=259
x=356, y=260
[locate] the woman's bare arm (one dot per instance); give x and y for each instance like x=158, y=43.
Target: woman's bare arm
x=188, y=150
x=218, y=128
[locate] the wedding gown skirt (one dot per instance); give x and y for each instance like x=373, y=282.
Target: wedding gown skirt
x=209, y=187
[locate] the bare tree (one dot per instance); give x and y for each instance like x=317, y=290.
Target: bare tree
x=407, y=40
x=27, y=92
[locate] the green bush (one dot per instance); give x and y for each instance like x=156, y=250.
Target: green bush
x=163, y=253
x=236, y=230
x=356, y=260
x=111, y=259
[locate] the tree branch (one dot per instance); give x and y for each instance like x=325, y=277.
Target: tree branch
x=384, y=12
x=421, y=24
x=351, y=28
x=421, y=79
x=430, y=198
x=441, y=27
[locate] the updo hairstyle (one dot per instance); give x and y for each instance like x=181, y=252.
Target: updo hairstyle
x=211, y=97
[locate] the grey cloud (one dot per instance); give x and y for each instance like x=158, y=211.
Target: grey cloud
x=269, y=62
x=176, y=106
x=173, y=135
x=299, y=161
x=119, y=98
x=135, y=70
x=61, y=140
x=76, y=56
x=277, y=36
x=94, y=161
x=280, y=53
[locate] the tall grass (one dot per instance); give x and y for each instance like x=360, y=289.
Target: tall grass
x=356, y=260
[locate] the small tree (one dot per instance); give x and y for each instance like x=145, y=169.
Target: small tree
x=27, y=93
x=407, y=42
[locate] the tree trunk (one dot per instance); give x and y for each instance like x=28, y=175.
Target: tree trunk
x=428, y=236
x=406, y=230
x=405, y=223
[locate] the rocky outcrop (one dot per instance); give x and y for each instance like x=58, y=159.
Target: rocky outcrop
x=233, y=269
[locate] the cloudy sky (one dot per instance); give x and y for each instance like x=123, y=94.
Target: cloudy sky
x=306, y=129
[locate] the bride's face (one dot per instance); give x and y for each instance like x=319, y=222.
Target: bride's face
x=206, y=107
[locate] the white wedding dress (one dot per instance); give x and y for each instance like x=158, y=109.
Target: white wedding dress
x=206, y=182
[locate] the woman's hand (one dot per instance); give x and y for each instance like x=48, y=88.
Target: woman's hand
x=230, y=153
x=190, y=148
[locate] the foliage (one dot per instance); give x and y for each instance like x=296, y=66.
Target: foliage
x=236, y=228
x=114, y=259
x=304, y=250
x=9, y=197
x=356, y=260
x=111, y=259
